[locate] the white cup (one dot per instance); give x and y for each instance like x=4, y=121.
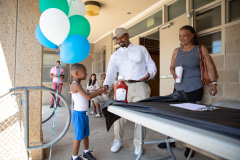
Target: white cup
x=90, y=88
x=179, y=72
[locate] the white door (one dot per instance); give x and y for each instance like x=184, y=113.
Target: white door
x=168, y=42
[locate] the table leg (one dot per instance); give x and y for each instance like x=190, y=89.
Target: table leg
x=189, y=156
x=140, y=144
x=169, y=148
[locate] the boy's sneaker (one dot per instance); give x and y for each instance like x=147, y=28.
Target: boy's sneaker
x=79, y=158
x=89, y=155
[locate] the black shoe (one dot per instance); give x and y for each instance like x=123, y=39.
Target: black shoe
x=164, y=145
x=59, y=105
x=187, y=151
x=89, y=155
x=79, y=158
x=51, y=106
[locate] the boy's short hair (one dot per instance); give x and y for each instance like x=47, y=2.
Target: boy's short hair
x=77, y=66
x=58, y=62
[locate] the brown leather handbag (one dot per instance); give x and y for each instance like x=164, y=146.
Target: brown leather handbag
x=203, y=67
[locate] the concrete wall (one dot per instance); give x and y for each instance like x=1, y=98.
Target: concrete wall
x=23, y=59
x=228, y=66
x=106, y=41
x=135, y=40
x=8, y=10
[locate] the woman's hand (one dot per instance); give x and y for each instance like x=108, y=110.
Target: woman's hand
x=172, y=66
x=213, y=90
x=174, y=76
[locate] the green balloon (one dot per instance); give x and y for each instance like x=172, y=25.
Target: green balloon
x=79, y=25
x=59, y=4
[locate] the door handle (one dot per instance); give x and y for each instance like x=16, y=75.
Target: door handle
x=166, y=76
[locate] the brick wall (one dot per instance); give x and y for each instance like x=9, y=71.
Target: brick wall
x=228, y=66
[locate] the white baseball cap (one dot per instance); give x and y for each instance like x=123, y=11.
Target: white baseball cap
x=119, y=32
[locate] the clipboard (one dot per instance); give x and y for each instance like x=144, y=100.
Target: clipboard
x=194, y=107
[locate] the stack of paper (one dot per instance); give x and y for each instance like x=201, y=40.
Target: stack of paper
x=190, y=106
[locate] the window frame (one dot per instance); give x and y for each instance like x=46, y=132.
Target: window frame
x=225, y=19
x=212, y=30
x=227, y=16
x=95, y=61
x=52, y=51
x=169, y=3
x=152, y=12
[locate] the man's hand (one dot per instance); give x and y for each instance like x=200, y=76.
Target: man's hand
x=105, y=88
x=146, y=77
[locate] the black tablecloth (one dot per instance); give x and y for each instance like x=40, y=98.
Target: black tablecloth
x=224, y=121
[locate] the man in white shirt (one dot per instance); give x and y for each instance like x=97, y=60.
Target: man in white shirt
x=136, y=65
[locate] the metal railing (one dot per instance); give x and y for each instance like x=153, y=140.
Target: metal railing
x=10, y=125
x=49, y=117
x=8, y=121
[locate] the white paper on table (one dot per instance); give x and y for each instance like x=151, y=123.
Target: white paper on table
x=190, y=106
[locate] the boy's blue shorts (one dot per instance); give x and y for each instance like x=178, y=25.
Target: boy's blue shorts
x=81, y=124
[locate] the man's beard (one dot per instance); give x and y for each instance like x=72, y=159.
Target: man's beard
x=123, y=44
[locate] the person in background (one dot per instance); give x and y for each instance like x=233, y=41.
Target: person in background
x=188, y=56
x=101, y=99
x=136, y=65
x=92, y=83
x=54, y=75
x=80, y=119
x=92, y=86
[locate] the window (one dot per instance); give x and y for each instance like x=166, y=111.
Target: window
x=212, y=42
x=99, y=61
x=209, y=19
x=200, y=3
x=49, y=60
x=146, y=24
x=176, y=9
x=234, y=10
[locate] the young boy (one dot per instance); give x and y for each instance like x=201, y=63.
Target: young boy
x=79, y=117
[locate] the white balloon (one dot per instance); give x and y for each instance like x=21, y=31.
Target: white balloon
x=76, y=7
x=55, y=25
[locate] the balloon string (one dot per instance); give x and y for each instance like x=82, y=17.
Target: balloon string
x=58, y=51
x=55, y=106
x=70, y=3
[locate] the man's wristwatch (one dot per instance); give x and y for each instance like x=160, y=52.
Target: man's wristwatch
x=214, y=82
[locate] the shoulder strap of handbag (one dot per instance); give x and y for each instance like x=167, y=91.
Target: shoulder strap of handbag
x=200, y=49
x=203, y=68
